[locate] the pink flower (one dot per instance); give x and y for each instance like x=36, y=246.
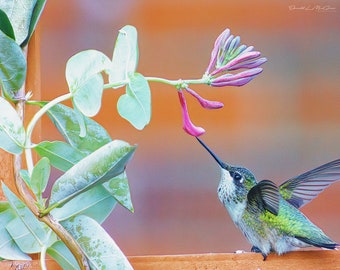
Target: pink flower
x=188, y=126
x=207, y=104
x=228, y=55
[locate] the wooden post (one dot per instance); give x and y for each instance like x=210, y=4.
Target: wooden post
x=32, y=84
x=302, y=260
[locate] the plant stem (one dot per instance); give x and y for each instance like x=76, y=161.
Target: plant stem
x=177, y=83
x=33, y=122
x=26, y=195
x=43, y=258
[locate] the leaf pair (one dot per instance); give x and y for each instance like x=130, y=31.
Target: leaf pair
x=17, y=24
x=85, y=81
x=32, y=236
x=65, y=155
x=100, y=249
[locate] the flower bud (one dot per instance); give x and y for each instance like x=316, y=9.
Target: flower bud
x=207, y=104
x=188, y=126
x=229, y=55
x=238, y=79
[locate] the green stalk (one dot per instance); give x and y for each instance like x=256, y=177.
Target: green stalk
x=33, y=122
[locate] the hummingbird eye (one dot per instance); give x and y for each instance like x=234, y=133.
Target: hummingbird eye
x=238, y=176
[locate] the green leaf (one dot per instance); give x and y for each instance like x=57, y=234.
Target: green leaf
x=63, y=256
x=118, y=187
x=88, y=99
x=9, y=250
x=30, y=240
x=19, y=13
x=37, y=11
x=135, y=105
x=4, y=205
x=61, y=155
x=12, y=134
x=100, y=166
x=96, y=203
x=39, y=179
x=100, y=249
x=81, y=121
x=5, y=25
x=65, y=119
x=125, y=55
x=33, y=234
x=26, y=177
x=85, y=81
x=12, y=66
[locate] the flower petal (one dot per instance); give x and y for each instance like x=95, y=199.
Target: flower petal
x=188, y=126
x=238, y=82
x=237, y=60
x=238, y=79
x=218, y=43
x=207, y=104
x=249, y=64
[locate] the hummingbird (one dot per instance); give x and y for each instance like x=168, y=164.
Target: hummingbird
x=268, y=215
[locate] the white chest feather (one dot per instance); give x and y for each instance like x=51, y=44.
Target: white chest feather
x=227, y=196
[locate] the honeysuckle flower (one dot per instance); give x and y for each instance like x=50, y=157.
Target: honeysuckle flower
x=188, y=126
x=207, y=104
x=238, y=79
x=228, y=55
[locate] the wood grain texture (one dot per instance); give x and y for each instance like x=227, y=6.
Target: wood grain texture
x=28, y=265
x=301, y=260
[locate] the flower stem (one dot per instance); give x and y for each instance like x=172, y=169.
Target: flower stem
x=178, y=83
x=33, y=122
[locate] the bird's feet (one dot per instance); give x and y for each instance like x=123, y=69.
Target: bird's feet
x=257, y=250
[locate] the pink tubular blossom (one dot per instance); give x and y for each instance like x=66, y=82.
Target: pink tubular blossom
x=214, y=54
x=249, y=64
x=207, y=104
x=188, y=126
x=243, y=74
x=237, y=60
x=229, y=55
x=238, y=79
x=238, y=82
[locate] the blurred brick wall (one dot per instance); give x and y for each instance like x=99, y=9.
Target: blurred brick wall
x=281, y=124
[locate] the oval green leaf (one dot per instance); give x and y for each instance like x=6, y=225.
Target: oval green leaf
x=125, y=55
x=66, y=121
x=135, y=105
x=88, y=98
x=5, y=25
x=40, y=175
x=19, y=14
x=12, y=66
x=33, y=234
x=85, y=81
x=100, y=249
x=63, y=256
x=9, y=250
x=118, y=187
x=37, y=11
x=12, y=134
x=96, y=203
x=100, y=166
x=61, y=155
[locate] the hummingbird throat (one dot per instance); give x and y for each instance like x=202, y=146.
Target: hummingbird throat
x=229, y=196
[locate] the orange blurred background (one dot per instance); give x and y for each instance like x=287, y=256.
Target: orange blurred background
x=283, y=123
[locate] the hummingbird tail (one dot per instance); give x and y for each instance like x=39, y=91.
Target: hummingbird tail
x=327, y=245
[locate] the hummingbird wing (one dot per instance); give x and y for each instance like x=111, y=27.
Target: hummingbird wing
x=303, y=188
x=265, y=196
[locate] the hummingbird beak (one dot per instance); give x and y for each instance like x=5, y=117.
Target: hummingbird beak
x=219, y=161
